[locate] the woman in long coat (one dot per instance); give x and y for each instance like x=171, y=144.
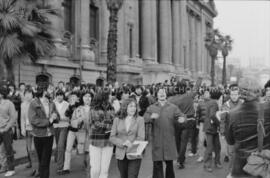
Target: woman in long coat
x=163, y=115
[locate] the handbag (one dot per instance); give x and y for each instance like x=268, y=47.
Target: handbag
x=258, y=163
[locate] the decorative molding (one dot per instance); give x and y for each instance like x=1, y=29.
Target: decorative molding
x=193, y=13
x=208, y=24
x=198, y=17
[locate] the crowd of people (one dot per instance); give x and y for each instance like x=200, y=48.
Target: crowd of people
x=105, y=121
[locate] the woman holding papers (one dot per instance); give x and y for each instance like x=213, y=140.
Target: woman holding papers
x=128, y=134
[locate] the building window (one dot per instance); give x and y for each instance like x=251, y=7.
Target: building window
x=94, y=19
x=69, y=15
x=130, y=40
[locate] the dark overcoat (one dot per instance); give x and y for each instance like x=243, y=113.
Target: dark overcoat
x=163, y=130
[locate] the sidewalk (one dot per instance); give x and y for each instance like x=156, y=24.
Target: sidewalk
x=192, y=170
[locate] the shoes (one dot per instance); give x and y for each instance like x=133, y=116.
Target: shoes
x=180, y=166
x=229, y=175
x=9, y=173
x=28, y=166
x=3, y=170
x=218, y=166
x=208, y=169
x=37, y=175
x=226, y=159
x=59, y=172
x=200, y=159
x=64, y=172
x=191, y=154
x=85, y=163
x=33, y=173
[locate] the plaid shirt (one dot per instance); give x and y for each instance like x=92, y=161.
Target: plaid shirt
x=100, y=127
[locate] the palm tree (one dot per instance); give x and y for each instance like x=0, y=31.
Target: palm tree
x=226, y=47
x=113, y=6
x=25, y=32
x=212, y=43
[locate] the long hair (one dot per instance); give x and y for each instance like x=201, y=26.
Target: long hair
x=101, y=101
x=122, y=114
x=84, y=93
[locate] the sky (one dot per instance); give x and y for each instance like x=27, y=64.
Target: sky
x=248, y=23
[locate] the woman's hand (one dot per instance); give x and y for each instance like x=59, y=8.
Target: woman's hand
x=127, y=143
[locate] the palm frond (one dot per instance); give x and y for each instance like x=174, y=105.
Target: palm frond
x=10, y=46
x=28, y=28
x=9, y=19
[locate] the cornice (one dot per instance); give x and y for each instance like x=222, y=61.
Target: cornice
x=193, y=12
x=206, y=6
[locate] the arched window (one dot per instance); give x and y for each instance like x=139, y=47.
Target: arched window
x=43, y=79
x=100, y=82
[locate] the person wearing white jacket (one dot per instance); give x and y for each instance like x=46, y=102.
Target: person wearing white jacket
x=77, y=129
x=61, y=129
x=26, y=127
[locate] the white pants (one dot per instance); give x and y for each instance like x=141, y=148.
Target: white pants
x=100, y=159
x=80, y=136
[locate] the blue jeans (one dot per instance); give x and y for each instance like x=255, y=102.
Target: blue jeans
x=61, y=139
x=6, y=139
x=213, y=145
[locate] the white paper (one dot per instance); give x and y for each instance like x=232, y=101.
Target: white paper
x=140, y=149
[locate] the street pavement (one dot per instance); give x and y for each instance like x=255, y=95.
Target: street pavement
x=192, y=170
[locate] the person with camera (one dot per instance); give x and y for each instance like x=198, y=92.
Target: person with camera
x=77, y=130
x=42, y=115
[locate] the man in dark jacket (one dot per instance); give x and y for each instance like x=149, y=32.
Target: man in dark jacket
x=242, y=131
x=200, y=117
x=163, y=115
x=185, y=102
x=211, y=128
x=42, y=115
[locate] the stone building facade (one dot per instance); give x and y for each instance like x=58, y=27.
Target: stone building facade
x=157, y=39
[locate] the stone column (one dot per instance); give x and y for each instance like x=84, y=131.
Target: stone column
x=165, y=35
x=190, y=41
x=183, y=28
x=85, y=30
x=146, y=17
x=176, y=40
x=193, y=47
x=154, y=29
x=203, y=48
x=104, y=29
x=200, y=44
x=196, y=45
